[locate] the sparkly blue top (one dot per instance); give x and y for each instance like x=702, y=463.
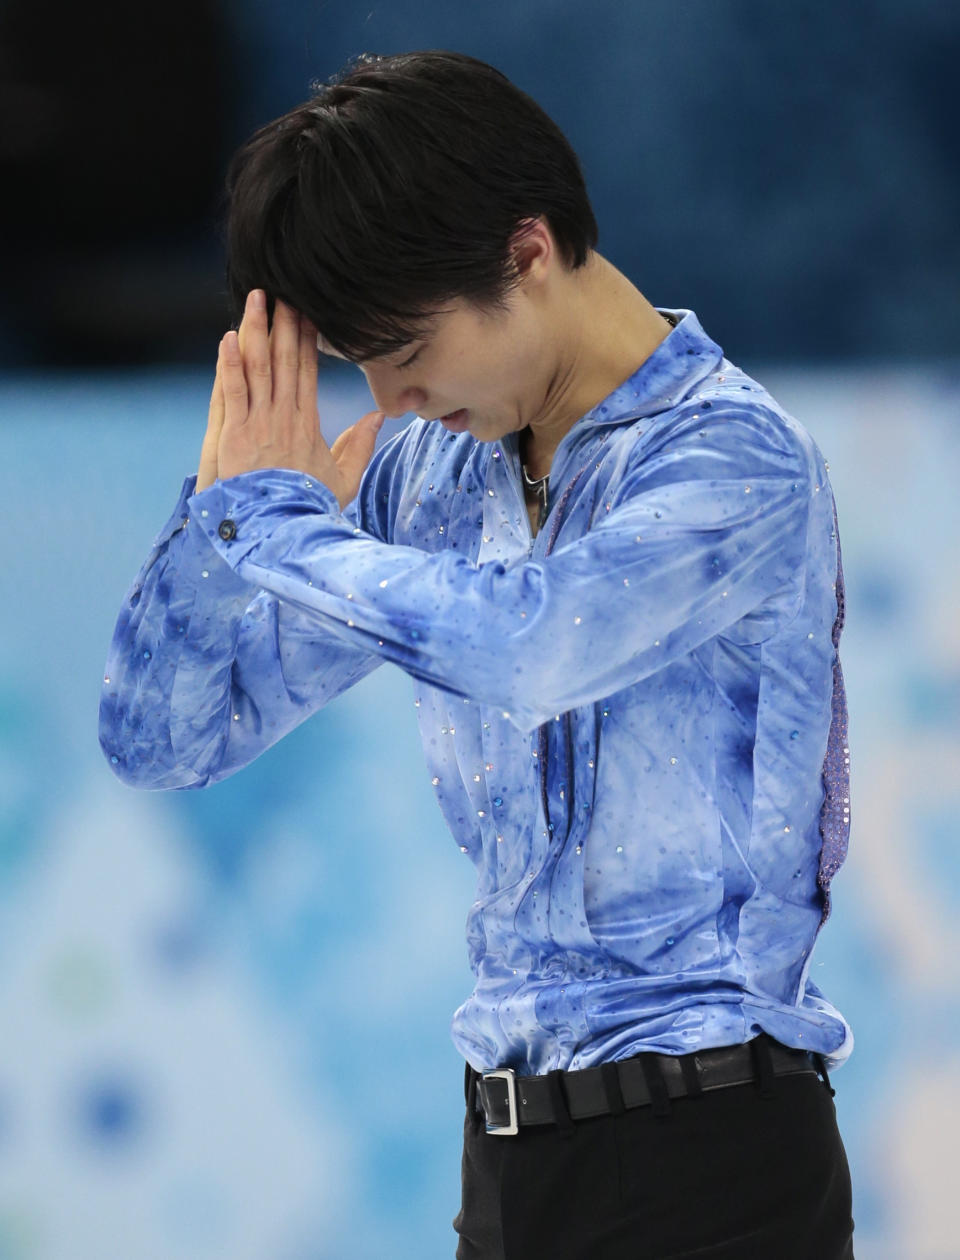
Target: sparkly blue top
x=634, y=722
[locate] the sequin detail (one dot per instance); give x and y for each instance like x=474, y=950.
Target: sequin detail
x=834, y=818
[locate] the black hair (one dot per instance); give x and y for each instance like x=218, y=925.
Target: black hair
x=396, y=188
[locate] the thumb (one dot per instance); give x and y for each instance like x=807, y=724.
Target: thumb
x=353, y=449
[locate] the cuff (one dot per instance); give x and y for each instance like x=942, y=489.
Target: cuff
x=243, y=511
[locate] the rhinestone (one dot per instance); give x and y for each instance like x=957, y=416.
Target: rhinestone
x=146, y=655
x=236, y=717
x=626, y=581
x=579, y=849
x=476, y=778
x=434, y=780
x=204, y=573
x=746, y=489
x=463, y=848
x=794, y=734
x=488, y=766
x=481, y=813
x=590, y=764
x=204, y=512
x=787, y=828
x=106, y=678
x=619, y=848
x=384, y=582
x=576, y=621
x=115, y=759
x=505, y=713
x=670, y=940
x=673, y=761
x=498, y=800
x=490, y=492
x=496, y=454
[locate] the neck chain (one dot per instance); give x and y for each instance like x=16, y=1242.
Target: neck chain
x=541, y=484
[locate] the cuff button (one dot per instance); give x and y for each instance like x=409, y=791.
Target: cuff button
x=227, y=530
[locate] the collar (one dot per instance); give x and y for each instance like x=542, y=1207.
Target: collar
x=684, y=357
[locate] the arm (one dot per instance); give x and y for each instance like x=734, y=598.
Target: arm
x=707, y=536
x=205, y=669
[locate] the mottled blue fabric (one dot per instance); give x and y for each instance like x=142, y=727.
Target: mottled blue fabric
x=627, y=719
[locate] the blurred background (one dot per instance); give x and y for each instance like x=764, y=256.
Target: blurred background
x=212, y=1047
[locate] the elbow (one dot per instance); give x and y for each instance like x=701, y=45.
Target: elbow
x=139, y=760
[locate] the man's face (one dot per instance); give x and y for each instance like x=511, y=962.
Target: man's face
x=494, y=367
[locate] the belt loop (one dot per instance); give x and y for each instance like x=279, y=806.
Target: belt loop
x=655, y=1083
x=610, y=1075
x=691, y=1075
x=822, y=1067
x=470, y=1091
x=560, y=1109
x=763, y=1066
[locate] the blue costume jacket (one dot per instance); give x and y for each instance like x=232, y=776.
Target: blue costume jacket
x=635, y=722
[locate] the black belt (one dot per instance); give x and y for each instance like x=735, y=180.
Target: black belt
x=509, y=1102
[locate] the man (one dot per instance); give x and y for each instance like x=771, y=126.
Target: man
x=608, y=559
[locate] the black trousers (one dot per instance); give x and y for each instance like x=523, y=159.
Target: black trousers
x=734, y=1174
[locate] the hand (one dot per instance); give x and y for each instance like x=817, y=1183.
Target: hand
x=263, y=408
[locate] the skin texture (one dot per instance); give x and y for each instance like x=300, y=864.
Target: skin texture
x=565, y=341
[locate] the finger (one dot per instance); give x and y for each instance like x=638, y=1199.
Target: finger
x=236, y=397
x=255, y=355
x=207, y=470
x=307, y=375
x=285, y=352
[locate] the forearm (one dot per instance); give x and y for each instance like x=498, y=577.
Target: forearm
x=205, y=670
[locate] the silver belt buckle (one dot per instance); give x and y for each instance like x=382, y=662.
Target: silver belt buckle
x=510, y=1077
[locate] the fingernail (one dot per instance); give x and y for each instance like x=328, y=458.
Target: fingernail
x=258, y=299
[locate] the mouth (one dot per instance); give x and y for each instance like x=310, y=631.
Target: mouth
x=456, y=421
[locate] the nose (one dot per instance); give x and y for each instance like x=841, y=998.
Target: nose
x=394, y=398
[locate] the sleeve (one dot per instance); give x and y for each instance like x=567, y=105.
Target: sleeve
x=207, y=668
x=706, y=535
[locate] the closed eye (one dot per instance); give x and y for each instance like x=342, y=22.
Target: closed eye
x=406, y=363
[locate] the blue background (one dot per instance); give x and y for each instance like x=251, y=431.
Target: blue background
x=198, y=988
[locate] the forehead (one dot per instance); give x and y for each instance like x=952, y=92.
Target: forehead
x=431, y=325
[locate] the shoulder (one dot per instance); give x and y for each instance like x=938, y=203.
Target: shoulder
x=729, y=425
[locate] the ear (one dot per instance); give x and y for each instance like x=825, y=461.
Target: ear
x=534, y=250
